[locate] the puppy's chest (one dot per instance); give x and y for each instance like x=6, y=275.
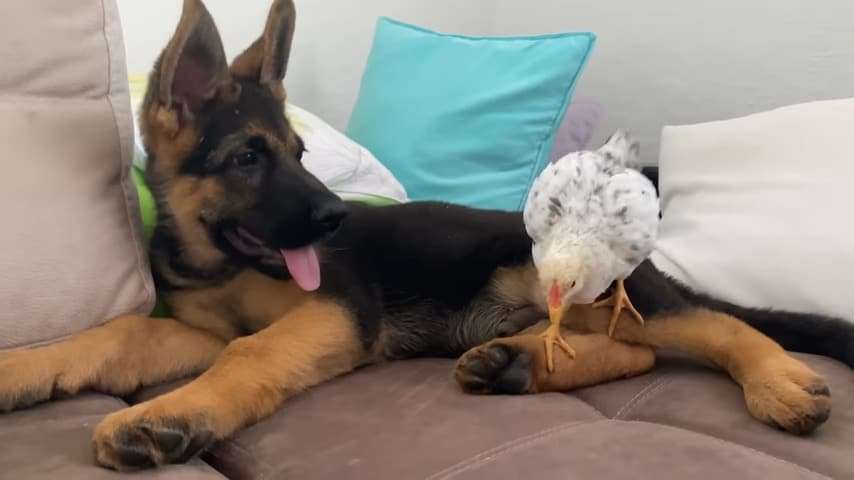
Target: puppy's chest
x=244, y=305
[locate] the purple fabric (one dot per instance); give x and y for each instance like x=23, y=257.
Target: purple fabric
x=577, y=128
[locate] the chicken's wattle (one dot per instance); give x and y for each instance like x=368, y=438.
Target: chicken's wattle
x=554, y=295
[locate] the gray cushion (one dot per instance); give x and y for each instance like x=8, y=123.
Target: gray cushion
x=71, y=252
x=54, y=441
x=410, y=420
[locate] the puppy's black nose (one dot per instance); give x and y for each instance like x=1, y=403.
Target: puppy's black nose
x=330, y=214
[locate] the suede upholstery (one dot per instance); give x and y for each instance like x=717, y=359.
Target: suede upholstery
x=409, y=420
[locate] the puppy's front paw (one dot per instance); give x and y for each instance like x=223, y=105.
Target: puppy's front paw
x=495, y=368
x=785, y=393
x=27, y=378
x=137, y=438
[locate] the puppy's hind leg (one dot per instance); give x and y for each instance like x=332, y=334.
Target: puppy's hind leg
x=517, y=365
x=779, y=389
x=116, y=358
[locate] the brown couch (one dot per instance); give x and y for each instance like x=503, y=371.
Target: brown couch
x=409, y=420
x=73, y=258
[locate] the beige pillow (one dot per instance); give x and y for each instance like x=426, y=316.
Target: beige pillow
x=71, y=255
x=758, y=210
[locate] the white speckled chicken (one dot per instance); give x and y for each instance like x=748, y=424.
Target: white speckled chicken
x=593, y=219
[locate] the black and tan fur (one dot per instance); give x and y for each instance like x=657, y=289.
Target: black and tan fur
x=401, y=281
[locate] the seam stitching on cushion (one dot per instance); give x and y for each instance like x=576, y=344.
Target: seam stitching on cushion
x=640, y=395
x=487, y=455
x=125, y=172
x=649, y=394
x=729, y=443
x=61, y=422
x=232, y=445
x=594, y=407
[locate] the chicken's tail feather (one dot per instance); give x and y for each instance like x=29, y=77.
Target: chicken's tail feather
x=794, y=331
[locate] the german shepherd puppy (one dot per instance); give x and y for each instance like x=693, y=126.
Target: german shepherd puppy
x=277, y=285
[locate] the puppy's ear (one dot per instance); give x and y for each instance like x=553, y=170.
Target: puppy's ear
x=193, y=66
x=266, y=60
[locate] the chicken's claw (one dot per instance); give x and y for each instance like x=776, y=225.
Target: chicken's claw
x=551, y=337
x=619, y=300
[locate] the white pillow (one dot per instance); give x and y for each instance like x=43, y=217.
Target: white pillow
x=344, y=166
x=757, y=210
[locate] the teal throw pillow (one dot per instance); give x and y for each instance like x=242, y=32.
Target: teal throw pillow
x=469, y=120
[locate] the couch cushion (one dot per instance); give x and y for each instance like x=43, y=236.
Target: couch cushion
x=401, y=420
x=71, y=254
x=608, y=450
x=409, y=420
x=756, y=210
x=704, y=401
x=53, y=441
x=469, y=120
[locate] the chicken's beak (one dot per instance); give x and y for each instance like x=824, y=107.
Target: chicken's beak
x=556, y=306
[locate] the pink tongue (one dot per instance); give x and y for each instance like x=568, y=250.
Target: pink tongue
x=304, y=267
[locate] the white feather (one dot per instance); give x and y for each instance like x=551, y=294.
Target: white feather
x=631, y=210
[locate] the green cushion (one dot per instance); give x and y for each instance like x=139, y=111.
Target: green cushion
x=146, y=204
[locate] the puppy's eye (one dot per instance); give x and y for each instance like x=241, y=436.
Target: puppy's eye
x=245, y=159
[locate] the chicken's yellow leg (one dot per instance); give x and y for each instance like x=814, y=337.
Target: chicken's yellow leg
x=618, y=301
x=553, y=336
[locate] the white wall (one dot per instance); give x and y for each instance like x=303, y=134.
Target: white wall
x=657, y=62
x=331, y=42
x=663, y=62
